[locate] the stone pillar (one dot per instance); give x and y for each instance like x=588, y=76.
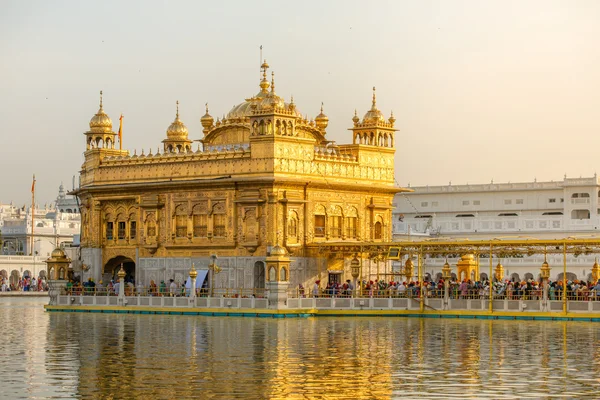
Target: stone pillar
x=545, y=274
x=55, y=288
x=192, y=296
x=446, y=275
x=277, y=294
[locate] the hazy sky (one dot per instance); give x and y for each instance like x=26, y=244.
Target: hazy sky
x=508, y=90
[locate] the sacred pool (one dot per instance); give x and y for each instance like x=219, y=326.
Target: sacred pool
x=94, y=355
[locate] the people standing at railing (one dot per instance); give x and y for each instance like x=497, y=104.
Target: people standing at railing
x=162, y=290
x=316, y=288
x=172, y=287
x=153, y=288
x=300, y=290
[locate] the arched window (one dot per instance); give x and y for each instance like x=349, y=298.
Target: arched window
x=319, y=221
x=151, y=227
x=259, y=275
x=180, y=221
x=272, y=274
x=109, y=227
x=378, y=231
x=283, y=274
x=219, y=220
x=580, y=214
x=200, y=221
x=351, y=223
x=335, y=223
x=293, y=226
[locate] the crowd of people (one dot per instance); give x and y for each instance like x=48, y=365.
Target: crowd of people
x=24, y=284
x=466, y=289
x=164, y=289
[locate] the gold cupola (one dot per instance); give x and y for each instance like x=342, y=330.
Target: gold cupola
x=100, y=135
x=373, y=115
x=207, y=121
x=177, y=136
x=392, y=120
x=322, y=120
x=101, y=122
x=355, y=119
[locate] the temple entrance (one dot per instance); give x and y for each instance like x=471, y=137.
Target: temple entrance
x=113, y=266
x=335, y=277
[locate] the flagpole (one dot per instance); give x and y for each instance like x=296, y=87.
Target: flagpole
x=121, y=132
x=32, y=215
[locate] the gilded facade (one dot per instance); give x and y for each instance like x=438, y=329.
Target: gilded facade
x=262, y=175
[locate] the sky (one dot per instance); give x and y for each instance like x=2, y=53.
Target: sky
x=481, y=90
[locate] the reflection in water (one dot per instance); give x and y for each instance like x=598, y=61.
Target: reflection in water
x=67, y=355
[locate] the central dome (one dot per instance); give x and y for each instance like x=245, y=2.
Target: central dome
x=100, y=122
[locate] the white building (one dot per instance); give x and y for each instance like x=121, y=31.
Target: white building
x=55, y=225
x=542, y=210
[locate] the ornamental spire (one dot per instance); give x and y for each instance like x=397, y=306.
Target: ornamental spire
x=374, y=106
x=101, y=99
x=264, y=84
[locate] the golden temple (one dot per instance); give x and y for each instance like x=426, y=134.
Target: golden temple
x=263, y=176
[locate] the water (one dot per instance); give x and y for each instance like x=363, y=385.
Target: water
x=67, y=355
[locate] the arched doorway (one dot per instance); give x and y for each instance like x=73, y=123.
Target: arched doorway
x=438, y=276
x=483, y=277
x=259, y=275
x=14, y=278
x=528, y=277
x=42, y=274
x=570, y=276
x=3, y=274
x=113, y=266
x=515, y=277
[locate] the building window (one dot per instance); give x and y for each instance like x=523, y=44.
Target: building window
x=507, y=201
x=293, y=228
x=351, y=227
x=465, y=202
x=181, y=226
x=519, y=201
x=336, y=226
x=200, y=225
x=132, y=230
x=121, y=230
x=562, y=200
x=319, y=226
x=219, y=225
x=424, y=204
x=378, y=231
x=109, y=230
x=476, y=202
x=434, y=204
x=551, y=200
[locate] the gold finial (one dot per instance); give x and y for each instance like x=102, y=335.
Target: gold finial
x=206, y=104
x=177, y=106
x=264, y=84
x=292, y=100
x=374, y=107
x=321, y=107
x=272, y=81
x=101, y=99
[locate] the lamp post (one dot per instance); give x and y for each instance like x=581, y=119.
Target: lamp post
x=446, y=275
x=121, y=274
x=193, y=275
x=355, y=270
x=545, y=275
x=214, y=269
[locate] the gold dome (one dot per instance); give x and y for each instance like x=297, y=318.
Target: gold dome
x=277, y=250
x=355, y=119
x=100, y=122
x=322, y=120
x=373, y=115
x=207, y=120
x=177, y=130
x=58, y=253
x=263, y=100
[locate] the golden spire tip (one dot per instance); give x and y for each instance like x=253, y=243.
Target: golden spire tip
x=374, y=98
x=177, y=106
x=321, y=107
x=206, y=104
x=101, y=99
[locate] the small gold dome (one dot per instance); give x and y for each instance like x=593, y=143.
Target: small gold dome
x=58, y=253
x=355, y=119
x=446, y=265
x=100, y=122
x=373, y=115
x=207, y=120
x=277, y=250
x=177, y=130
x=322, y=120
x=392, y=119
x=467, y=257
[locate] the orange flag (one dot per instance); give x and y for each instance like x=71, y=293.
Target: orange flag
x=33, y=184
x=121, y=132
